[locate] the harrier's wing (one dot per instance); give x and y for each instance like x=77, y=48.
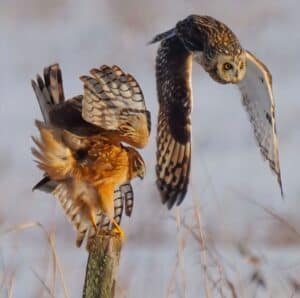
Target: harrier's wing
x=257, y=96
x=114, y=101
x=55, y=109
x=75, y=215
x=49, y=92
x=173, y=76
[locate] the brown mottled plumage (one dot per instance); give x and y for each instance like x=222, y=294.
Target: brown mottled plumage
x=88, y=169
x=214, y=46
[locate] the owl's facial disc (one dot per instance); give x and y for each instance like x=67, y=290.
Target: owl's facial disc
x=231, y=69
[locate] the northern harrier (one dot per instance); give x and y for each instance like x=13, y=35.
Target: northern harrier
x=81, y=149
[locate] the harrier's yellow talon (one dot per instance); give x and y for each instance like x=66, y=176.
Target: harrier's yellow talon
x=93, y=219
x=118, y=230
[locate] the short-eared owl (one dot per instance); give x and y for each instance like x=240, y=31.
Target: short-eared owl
x=213, y=45
x=86, y=166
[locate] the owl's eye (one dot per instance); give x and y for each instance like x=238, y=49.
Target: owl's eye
x=227, y=66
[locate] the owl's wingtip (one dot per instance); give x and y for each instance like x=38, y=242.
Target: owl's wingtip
x=165, y=35
x=170, y=197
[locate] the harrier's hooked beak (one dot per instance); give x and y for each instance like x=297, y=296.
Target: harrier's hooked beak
x=141, y=174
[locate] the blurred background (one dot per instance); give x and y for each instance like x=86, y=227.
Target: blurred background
x=233, y=236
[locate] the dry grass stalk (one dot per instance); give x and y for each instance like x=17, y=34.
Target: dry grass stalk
x=43, y=283
x=56, y=261
x=181, y=242
x=203, y=253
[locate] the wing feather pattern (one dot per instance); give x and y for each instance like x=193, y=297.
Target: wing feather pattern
x=77, y=217
x=49, y=92
x=114, y=101
x=257, y=97
x=173, y=76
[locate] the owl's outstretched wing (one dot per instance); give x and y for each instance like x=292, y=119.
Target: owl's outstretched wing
x=114, y=101
x=257, y=96
x=173, y=76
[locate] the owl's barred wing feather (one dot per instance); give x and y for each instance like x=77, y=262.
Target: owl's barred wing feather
x=173, y=75
x=257, y=96
x=114, y=101
x=173, y=164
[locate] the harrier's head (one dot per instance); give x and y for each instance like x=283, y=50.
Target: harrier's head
x=137, y=166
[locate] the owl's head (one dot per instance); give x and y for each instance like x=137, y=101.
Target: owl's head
x=230, y=69
x=225, y=68
x=136, y=163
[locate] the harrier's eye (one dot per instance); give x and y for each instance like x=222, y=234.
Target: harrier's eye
x=137, y=164
x=227, y=66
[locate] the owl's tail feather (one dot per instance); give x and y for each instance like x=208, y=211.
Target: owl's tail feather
x=165, y=35
x=52, y=155
x=49, y=91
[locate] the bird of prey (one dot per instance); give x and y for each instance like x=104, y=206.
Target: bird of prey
x=214, y=46
x=80, y=149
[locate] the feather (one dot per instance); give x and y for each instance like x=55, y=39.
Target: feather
x=257, y=97
x=52, y=155
x=114, y=101
x=50, y=91
x=128, y=197
x=165, y=35
x=173, y=75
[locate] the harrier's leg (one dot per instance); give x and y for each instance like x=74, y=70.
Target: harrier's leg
x=106, y=194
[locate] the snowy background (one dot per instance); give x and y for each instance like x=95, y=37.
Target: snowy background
x=159, y=258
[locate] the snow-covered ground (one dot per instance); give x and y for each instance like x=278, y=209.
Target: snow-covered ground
x=227, y=170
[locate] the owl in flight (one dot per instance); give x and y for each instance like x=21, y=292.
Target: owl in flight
x=213, y=45
x=80, y=149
